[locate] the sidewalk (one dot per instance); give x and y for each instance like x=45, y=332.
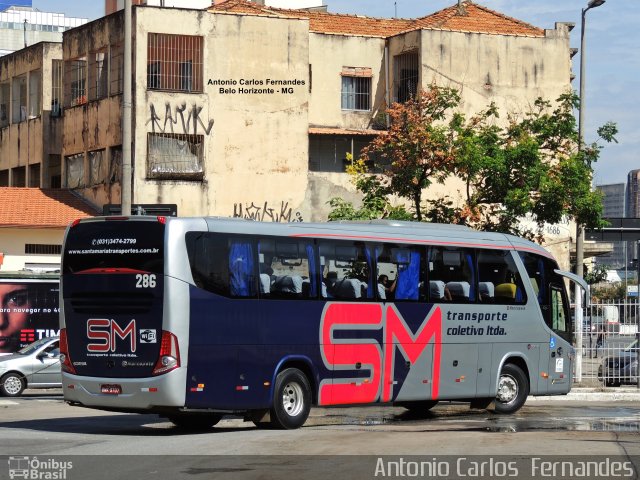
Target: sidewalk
x=586, y=394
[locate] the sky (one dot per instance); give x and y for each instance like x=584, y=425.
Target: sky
x=612, y=61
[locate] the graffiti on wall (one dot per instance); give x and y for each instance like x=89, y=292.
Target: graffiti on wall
x=266, y=213
x=177, y=117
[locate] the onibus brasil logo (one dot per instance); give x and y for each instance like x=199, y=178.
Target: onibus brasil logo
x=33, y=468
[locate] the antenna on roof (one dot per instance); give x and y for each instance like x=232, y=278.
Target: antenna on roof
x=395, y=7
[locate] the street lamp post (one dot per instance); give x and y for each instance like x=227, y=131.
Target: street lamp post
x=579, y=229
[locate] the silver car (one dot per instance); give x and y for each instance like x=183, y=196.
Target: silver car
x=35, y=366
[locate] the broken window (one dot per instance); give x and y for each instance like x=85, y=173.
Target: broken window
x=356, y=88
x=75, y=171
x=97, y=170
x=174, y=62
x=175, y=156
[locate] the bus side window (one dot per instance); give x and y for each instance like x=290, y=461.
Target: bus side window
x=400, y=269
x=208, y=260
x=287, y=269
x=498, y=279
x=451, y=275
x=346, y=270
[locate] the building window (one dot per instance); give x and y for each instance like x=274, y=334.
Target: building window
x=174, y=62
x=75, y=171
x=97, y=170
x=115, y=165
x=19, y=100
x=56, y=88
x=42, y=249
x=356, y=88
x=173, y=156
x=34, y=175
x=116, y=64
x=75, y=76
x=328, y=153
x=5, y=99
x=35, y=93
x=98, y=75
x=406, y=76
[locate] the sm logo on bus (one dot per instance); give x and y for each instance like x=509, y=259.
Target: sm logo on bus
x=105, y=334
x=365, y=353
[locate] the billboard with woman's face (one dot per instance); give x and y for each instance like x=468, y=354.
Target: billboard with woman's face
x=28, y=312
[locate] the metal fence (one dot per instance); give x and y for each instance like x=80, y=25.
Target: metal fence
x=608, y=342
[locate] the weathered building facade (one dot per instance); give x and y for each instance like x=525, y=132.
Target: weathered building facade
x=228, y=123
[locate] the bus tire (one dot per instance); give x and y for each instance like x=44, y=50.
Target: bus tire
x=419, y=406
x=195, y=421
x=12, y=384
x=291, y=400
x=513, y=389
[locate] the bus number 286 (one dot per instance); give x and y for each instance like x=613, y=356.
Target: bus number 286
x=145, y=281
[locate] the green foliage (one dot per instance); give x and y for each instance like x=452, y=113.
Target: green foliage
x=597, y=274
x=530, y=166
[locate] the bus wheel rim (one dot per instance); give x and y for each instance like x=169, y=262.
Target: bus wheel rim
x=12, y=385
x=292, y=399
x=507, y=389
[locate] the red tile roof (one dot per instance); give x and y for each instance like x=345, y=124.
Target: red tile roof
x=41, y=207
x=473, y=18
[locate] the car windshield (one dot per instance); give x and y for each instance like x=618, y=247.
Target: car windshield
x=32, y=347
x=632, y=346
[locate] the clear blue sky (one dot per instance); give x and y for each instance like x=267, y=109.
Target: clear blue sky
x=612, y=61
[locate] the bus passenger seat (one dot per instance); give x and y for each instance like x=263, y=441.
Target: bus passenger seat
x=288, y=284
x=265, y=283
x=459, y=291
x=487, y=291
x=506, y=292
x=349, y=288
x=436, y=289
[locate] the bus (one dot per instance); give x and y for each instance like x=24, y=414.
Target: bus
x=197, y=318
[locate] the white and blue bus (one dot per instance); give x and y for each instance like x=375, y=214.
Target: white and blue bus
x=195, y=318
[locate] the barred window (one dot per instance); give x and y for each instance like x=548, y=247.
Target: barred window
x=175, y=156
x=98, y=75
x=56, y=88
x=42, y=249
x=116, y=64
x=356, y=88
x=75, y=80
x=406, y=76
x=174, y=62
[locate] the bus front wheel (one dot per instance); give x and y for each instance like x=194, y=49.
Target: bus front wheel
x=513, y=389
x=291, y=400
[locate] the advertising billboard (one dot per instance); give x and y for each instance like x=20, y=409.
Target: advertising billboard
x=28, y=312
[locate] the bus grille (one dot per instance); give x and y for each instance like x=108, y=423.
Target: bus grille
x=111, y=303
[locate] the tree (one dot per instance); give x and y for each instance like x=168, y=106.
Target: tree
x=530, y=166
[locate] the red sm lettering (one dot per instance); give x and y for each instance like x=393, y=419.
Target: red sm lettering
x=367, y=354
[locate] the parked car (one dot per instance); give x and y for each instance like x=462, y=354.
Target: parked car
x=621, y=367
x=35, y=366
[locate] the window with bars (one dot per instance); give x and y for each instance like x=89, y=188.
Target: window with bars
x=175, y=156
x=116, y=65
x=356, y=88
x=98, y=75
x=5, y=99
x=56, y=88
x=35, y=93
x=174, y=62
x=19, y=99
x=42, y=249
x=406, y=76
x=75, y=81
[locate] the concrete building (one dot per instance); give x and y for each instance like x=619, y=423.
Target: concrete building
x=30, y=116
x=112, y=6
x=614, y=204
x=633, y=194
x=21, y=25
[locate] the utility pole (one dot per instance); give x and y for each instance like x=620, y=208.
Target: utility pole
x=125, y=192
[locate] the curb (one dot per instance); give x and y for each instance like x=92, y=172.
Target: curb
x=594, y=395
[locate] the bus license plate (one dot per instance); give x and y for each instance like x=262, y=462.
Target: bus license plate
x=111, y=389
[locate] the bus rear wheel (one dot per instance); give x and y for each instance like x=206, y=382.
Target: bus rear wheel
x=513, y=389
x=195, y=421
x=291, y=400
